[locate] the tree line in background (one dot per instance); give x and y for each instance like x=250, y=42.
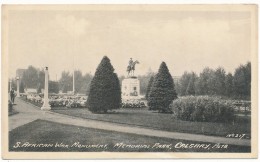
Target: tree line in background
x=208, y=82
x=82, y=82
x=34, y=78
x=217, y=83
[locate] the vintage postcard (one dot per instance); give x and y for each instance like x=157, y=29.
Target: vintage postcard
x=129, y=81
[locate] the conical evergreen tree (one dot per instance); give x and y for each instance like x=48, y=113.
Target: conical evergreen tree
x=149, y=87
x=116, y=102
x=104, y=93
x=162, y=91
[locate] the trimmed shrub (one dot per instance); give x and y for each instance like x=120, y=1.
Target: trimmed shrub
x=162, y=91
x=105, y=92
x=116, y=100
x=203, y=108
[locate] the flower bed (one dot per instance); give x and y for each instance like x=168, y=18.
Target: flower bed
x=133, y=104
x=58, y=101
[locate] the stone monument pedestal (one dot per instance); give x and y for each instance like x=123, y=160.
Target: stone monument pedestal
x=130, y=88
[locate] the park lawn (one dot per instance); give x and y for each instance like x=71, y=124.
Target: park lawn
x=167, y=122
x=46, y=132
x=142, y=117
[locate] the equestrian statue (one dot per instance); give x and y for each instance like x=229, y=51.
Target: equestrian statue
x=131, y=67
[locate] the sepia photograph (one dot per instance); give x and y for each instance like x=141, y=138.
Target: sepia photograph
x=129, y=81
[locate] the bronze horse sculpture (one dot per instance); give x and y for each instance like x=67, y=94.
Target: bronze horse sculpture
x=131, y=68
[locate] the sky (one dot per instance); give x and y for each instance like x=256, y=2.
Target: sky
x=186, y=40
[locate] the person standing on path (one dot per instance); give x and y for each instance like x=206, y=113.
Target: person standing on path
x=12, y=95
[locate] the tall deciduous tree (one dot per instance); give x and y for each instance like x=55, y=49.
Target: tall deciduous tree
x=229, y=87
x=21, y=87
x=41, y=79
x=65, y=82
x=31, y=77
x=79, y=80
x=190, y=90
x=248, y=79
x=205, y=85
x=86, y=84
x=220, y=76
x=144, y=81
x=149, y=87
x=183, y=83
x=242, y=81
x=53, y=87
x=162, y=91
x=104, y=89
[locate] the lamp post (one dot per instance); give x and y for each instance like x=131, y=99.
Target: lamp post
x=46, y=105
x=18, y=88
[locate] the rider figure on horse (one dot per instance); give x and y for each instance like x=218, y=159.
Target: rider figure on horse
x=131, y=63
x=131, y=66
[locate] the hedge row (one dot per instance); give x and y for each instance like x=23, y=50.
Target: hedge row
x=203, y=108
